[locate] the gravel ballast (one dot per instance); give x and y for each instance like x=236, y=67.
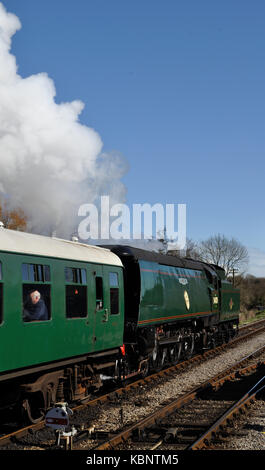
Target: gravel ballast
x=147, y=399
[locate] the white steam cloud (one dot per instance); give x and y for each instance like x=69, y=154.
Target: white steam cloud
x=50, y=163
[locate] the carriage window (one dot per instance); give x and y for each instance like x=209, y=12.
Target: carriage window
x=113, y=280
x=35, y=272
x=76, y=301
x=76, y=292
x=114, y=293
x=99, y=293
x=36, y=302
x=36, y=293
x=75, y=275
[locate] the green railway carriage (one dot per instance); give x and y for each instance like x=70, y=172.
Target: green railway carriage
x=82, y=288
x=174, y=305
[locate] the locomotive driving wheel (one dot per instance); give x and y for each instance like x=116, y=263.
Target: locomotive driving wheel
x=175, y=353
x=188, y=344
x=158, y=358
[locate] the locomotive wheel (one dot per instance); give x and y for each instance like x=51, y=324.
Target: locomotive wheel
x=188, y=346
x=227, y=334
x=163, y=357
x=230, y=334
x=212, y=342
x=158, y=358
x=154, y=358
x=175, y=353
x=224, y=334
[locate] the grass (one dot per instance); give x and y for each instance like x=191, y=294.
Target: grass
x=251, y=317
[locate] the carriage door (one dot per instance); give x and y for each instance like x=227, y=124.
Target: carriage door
x=108, y=320
x=100, y=309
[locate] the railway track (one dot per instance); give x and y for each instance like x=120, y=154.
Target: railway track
x=25, y=434
x=223, y=427
x=186, y=422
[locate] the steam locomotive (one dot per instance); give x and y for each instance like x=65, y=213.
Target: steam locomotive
x=111, y=312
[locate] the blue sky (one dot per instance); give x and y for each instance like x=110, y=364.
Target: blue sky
x=177, y=88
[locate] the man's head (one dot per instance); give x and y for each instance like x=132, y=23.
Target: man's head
x=35, y=296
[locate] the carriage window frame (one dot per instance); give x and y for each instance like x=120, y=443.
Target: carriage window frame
x=39, y=273
x=114, y=293
x=74, y=275
x=75, y=284
x=37, y=276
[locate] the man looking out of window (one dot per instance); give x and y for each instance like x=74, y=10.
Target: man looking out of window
x=35, y=308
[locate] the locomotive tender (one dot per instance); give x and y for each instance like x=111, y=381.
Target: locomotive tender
x=111, y=312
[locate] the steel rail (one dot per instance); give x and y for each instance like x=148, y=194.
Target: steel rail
x=213, y=383
x=227, y=418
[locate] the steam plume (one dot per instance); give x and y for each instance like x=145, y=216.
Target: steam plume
x=49, y=162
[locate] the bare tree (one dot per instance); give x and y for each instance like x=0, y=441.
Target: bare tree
x=163, y=240
x=192, y=249
x=230, y=254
